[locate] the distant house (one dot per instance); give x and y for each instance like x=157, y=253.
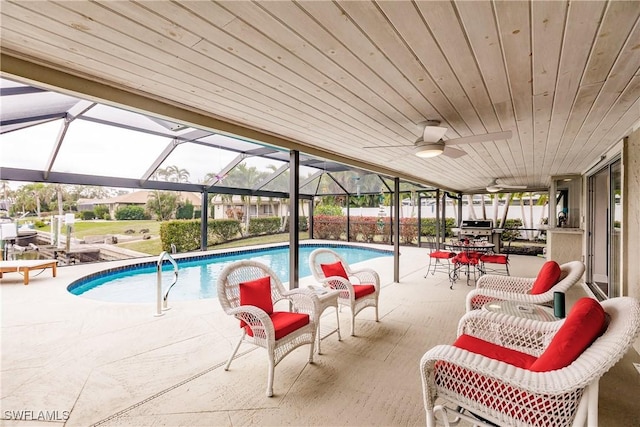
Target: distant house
x=258, y=207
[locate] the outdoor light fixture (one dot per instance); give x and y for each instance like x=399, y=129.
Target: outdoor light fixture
x=428, y=149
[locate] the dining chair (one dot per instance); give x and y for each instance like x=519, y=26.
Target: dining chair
x=492, y=263
x=439, y=259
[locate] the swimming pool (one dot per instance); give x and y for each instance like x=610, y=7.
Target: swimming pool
x=197, y=275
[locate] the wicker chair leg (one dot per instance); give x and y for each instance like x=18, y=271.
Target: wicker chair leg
x=235, y=350
x=353, y=325
x=592, y=412
x=272, y=367
x=431, y=419
x=312, y=349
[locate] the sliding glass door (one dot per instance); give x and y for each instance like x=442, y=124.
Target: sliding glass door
x=604, y=244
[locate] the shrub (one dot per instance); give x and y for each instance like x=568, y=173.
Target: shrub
x=223, y=229
x=329, y=227
x=408, y=230
x=365, y=228
x=428, y=226
x=511, y=229
x=106, y=217
x=264, y=225
x=185, y=234
x=327, y=210
x=303, y=224
x=185, y=211
x=87, y=215
x=131, y=213
x=100, y=211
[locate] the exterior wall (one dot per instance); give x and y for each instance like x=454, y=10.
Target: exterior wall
x=631, y=218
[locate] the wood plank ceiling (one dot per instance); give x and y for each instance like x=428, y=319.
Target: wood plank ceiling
x=340, y=76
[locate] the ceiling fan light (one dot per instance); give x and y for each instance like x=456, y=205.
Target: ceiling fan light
x=428, y=149
x=492, y=189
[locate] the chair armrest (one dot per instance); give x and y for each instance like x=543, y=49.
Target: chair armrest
x=367, y=276
x=493, y=287
x=340, y=283
x=517, y=333
x=505, y=283
x=257, y=319
x=303, y=301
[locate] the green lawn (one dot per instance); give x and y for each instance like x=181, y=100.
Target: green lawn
x=154, y=246
x=82, y=229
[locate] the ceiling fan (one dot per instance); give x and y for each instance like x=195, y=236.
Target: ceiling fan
x=430, y=144
x=495, y=187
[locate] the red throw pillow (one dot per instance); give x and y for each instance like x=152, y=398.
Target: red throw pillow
x=586, y=321
x=335, y=269
x=257, y=293
x=547, y=277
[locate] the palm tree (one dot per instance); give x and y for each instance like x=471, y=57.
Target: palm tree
x=472, y=210
x=505, y=212
x=245, y=177
x=175, y=174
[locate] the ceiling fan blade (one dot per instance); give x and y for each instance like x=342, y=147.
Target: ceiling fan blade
x=389, y=146
x=433, y=133
x=454, y=153
x=495, y=136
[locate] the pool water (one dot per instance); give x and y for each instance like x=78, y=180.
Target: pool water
x=197, y=275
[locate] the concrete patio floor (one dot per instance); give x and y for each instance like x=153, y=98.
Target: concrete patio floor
x=86, y=362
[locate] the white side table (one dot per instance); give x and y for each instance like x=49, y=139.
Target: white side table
x=328, y=298
x=521, y=309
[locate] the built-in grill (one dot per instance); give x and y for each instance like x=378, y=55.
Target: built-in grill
x=481, y=228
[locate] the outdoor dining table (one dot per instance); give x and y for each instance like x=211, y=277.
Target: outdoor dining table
x=468, y=257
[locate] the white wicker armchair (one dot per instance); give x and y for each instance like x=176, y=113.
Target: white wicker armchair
x=257, y=325
x=478, y=388
x=351, y=288
x=497, y=287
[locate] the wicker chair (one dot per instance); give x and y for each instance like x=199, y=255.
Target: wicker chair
x=260, y=327
x=482, y=389
x=359, y=288
x=496, y=287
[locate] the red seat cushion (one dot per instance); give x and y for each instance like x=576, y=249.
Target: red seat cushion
x=494, y=351
x=442, y=254
x=362, y=290
x=463, y=258
x=285, y=322
x=258, y=294
x=547, y=277
x=495, y=259
x=586, y=321
x=335, y=269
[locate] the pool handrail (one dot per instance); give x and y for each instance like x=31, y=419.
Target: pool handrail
x=161, y=303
